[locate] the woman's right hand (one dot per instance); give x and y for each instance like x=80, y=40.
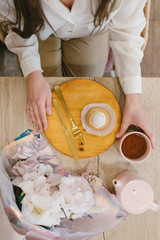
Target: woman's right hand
x=134, y=114
x=38, y=100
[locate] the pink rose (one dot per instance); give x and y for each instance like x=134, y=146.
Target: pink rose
x=27, y=166
x=21, y=151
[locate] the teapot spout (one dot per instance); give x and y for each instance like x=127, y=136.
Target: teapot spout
x=155, y=206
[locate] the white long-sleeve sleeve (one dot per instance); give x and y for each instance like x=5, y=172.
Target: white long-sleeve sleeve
x=27, y=51
x=125, y=29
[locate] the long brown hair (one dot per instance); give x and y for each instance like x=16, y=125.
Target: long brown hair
x=102, y=12
x=31, y=12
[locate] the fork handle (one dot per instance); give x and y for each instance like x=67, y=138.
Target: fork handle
x=61, y=98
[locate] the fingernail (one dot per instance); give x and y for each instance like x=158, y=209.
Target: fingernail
x=49, y=112
x=117, y=135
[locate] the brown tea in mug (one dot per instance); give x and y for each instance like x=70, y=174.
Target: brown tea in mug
x=134, y=146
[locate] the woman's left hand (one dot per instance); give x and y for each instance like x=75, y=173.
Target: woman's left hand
x=134, y=114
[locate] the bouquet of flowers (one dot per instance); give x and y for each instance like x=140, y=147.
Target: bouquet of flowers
x=41, y=196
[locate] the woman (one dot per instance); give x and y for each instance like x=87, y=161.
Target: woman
x=73, y=38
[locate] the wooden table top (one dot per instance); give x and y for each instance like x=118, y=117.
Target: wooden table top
x=13, y=121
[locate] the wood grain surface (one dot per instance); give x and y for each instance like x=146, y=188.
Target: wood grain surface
x=78, y=94
x=13, y=121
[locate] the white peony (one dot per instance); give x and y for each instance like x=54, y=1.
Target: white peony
x=42, y=209
x=41, y=204
x=76, y=196
x=49, y=198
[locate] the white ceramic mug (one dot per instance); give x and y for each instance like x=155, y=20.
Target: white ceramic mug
x=144, y=156
x=135, y=195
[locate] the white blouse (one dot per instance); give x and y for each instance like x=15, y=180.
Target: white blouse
x=124, y=24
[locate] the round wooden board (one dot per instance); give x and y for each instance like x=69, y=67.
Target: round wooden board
x=78, y=94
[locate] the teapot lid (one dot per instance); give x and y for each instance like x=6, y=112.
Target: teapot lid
x=136, y=196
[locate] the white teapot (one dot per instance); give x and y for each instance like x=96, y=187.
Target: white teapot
x=135, y=195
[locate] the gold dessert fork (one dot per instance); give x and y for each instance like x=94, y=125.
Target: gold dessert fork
x=75, y=129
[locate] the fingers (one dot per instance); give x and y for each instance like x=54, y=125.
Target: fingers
x=33, y=115
x=136, y=116
x=37, y=114
x=49, y=105
x=38, y=121
x=122, y=130
x=38, y=100
x=148, y=131
x=42, y=115
x=30, y=113
x=153, y=141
